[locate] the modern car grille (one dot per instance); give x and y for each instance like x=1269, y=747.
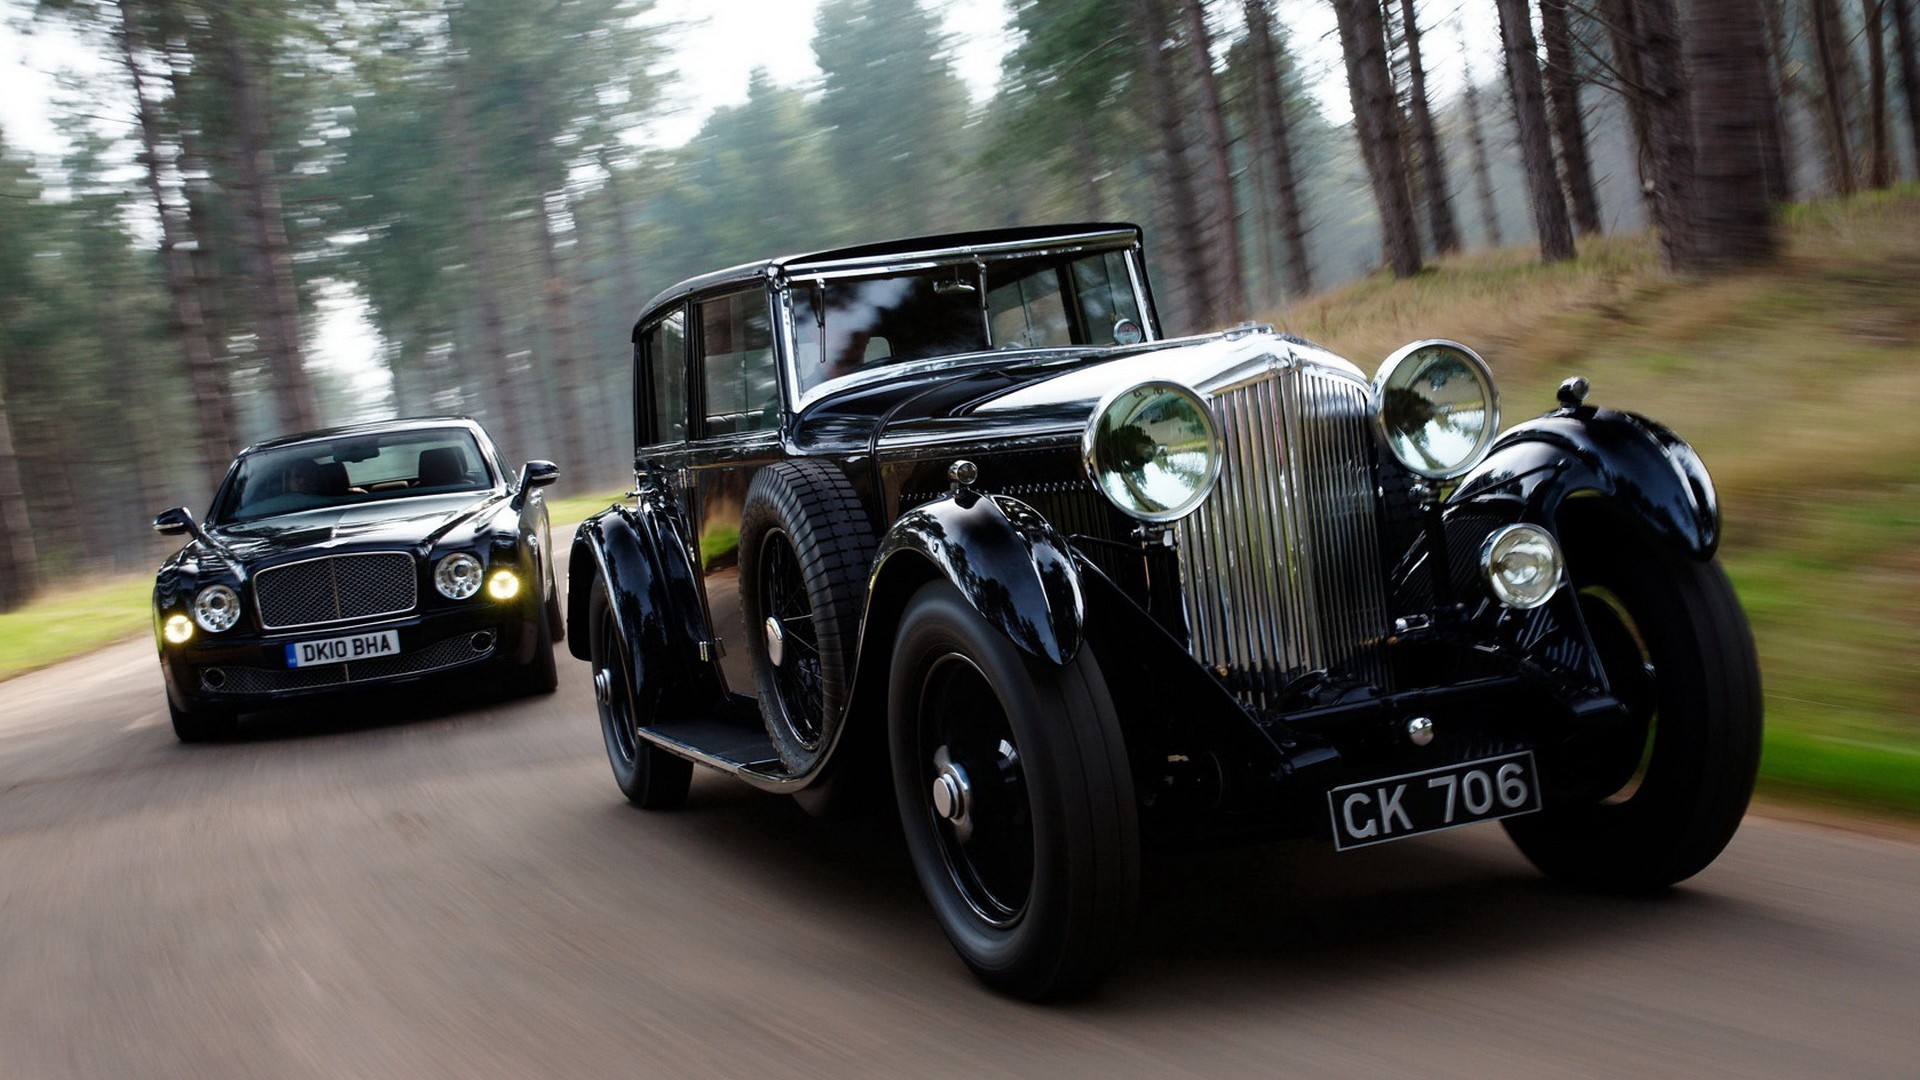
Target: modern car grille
x=441, y=654
x=336, y=587
x=1280, y=568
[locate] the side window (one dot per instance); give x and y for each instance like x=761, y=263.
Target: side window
x=736, y=363
x=663, y=348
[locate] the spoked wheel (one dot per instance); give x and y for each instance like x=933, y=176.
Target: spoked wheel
x=648, y=776
x=1015, y=797
x=804, y=549
x=1651, y=799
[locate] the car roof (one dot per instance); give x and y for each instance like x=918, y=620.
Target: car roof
x=958, y=243
x=375, y=427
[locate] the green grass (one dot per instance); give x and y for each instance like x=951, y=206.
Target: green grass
x=77, y=621
x=577, y=508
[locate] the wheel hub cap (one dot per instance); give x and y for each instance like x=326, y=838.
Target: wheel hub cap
x=952, y=798
x=776, y=641
x=603, y=686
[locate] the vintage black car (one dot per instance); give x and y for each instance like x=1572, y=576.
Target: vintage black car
x=356, y=557
x=949, y=511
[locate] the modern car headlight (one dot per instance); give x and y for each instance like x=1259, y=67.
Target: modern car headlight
x=457, y=576
x=1522, y=565
x=1437, y=407
x=1152, y=450
x=503, y=585
x=216, y=608
x=178, y=629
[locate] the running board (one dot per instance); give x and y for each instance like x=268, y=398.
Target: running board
x=734, y=742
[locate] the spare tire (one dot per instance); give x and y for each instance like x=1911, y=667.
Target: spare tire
x=805, y=549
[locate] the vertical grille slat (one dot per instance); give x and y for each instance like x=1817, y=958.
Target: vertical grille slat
x=335, y=588
x=1281, y=568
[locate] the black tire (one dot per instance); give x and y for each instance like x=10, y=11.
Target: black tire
x=1034, y=876
x=538, y=675
x=200, y=725
x=556, y=611
x=805, y=548
x=650, y=778
x=1649, y=802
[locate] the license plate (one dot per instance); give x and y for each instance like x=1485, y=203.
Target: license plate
x=340, y=650
x=1396, y=807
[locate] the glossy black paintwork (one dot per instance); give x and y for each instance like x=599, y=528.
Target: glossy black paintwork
x=506, y=525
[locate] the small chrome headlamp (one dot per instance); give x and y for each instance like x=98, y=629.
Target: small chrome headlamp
x=1522, y=565
x=457, y=576
x=1152, y=450
x=1437, y=408
x=216, y=608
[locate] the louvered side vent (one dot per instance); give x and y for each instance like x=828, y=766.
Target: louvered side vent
x=1280, y=569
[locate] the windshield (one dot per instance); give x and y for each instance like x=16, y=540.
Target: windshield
x=351, y=470
x=845, y=325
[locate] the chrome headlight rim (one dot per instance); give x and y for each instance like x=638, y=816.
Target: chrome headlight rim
x=1504, y=541
x=1483, y=374
x=1095, y=471
x=458, y=576
x=216, y=608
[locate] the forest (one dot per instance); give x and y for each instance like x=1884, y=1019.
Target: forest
x=466, y=171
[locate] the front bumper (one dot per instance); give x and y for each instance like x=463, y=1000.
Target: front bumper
x=245, y=670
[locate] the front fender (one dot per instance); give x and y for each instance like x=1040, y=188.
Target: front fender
x=651, y=587
x=1650, y=472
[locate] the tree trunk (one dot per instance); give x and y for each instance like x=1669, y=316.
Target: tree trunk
x=1648, y=56
x=1780, y=148
x=275, y=295
x=17, y=557
x=1909, y=71
x=1271, y=99
x=1189, y=247
x=1830, y=49
x=565, y=359
x=1376, y=122
x=1433, y=163
x=1731, y=100
x=1880, y=155
x=1536, y=147
x=504, y=409
x=1482, y=171
x=1564, y=113
x=212, y=408
x=1229, y=266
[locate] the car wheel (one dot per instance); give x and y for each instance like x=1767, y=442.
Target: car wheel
x=805, y=546
x=538, y=675
x=1648, y=801
x=200, y=725
x=1015, y=797
x=556, y=611
x=650, y=778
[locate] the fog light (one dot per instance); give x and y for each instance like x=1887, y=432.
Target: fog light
x=503, y=585
x=1522, y=565
x=178, y=629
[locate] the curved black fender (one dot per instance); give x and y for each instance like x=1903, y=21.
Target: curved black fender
x=1650, y=472
x=656, y=604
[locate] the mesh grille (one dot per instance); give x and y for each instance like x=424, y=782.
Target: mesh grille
x=1280, y=568
x=441, y=654
x=335, y=588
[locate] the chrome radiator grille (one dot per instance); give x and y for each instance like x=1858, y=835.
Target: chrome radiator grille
x=336, y=587
x=1280, y=568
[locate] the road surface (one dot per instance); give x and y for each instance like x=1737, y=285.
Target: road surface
x=445, y=886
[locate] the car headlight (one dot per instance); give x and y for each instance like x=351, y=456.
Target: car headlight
x=1437, y=407
x=503, y=585
x=1522, y=565
x=216, y=608
x=1152, y=450
x=457, y=576
x=177, y=629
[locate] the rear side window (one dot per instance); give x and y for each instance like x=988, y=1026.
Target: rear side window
x=663, y=350
x=737, y=365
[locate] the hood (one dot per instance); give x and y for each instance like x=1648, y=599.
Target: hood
x=419, y=521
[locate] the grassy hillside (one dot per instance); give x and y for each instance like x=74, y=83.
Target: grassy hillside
x=1800, y=385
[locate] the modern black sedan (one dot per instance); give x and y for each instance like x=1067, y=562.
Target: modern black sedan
x=356, y=557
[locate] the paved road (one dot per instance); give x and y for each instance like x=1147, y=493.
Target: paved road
x=452, y=887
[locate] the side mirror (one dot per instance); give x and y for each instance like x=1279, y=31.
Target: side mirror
x=534, y=474
x=175, y=522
